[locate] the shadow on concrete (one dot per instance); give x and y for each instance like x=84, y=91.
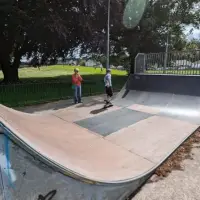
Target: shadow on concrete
x=94, y=112
x=57, y=105
x=97, y=111
x=125, y=94
x=90, y=104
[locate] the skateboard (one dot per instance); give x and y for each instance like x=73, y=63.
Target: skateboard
x=107, y=104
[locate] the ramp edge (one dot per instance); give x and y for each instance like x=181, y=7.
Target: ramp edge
x=68, y=172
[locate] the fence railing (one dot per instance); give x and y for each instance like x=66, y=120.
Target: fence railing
x=181, y=63
x=34, y=93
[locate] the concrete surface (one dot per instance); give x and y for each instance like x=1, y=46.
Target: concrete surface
x=103, y=159
x=176, y=97
x=56, y=140
x=111, y=122
x=59, y=105
x=24, y=177
x=179, y=185
x=156, y=135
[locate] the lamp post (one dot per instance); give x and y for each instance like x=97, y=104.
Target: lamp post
x=166, y=53
x=108, y=38
x=167, y=42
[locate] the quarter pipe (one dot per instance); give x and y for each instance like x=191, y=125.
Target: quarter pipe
x=84, y=152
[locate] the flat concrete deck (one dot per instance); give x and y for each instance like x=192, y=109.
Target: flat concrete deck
x=114, y=145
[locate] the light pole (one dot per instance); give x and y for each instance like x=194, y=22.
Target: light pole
x=166, y=53
x=167, y=43
x=108, y=38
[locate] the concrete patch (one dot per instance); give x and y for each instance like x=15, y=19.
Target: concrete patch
x=111, y=122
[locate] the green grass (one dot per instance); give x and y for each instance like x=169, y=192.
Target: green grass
x=58, y=72
x=54, y=83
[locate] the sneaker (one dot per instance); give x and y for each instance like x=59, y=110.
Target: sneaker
x=106, y=101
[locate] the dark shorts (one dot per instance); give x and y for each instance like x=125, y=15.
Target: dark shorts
x=109, y=91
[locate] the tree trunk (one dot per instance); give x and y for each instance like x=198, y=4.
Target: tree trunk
x=10, y=74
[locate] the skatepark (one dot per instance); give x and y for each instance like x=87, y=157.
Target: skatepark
x=99, y=147
x=86, y=152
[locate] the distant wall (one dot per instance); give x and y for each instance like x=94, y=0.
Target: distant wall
x=177, y=84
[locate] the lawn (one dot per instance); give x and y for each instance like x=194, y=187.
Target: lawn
x=58, y=72
x=51, y=83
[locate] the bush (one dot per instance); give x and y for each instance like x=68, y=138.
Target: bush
x=82, y=63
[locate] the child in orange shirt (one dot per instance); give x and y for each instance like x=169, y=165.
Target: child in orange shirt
x=76, y=84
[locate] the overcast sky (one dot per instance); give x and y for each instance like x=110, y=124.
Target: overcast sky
x=195, y=34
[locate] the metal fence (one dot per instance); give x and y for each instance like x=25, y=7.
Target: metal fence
x=34, y=93
x=181, y=63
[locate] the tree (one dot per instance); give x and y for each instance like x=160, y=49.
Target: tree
x=22, y=33
x=37, y=28
x=159, y=19
x=46, y=29
x=192, y=45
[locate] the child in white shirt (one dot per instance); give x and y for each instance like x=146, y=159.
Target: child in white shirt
x=108, y=85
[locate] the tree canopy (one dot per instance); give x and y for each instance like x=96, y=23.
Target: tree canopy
x=54, y=28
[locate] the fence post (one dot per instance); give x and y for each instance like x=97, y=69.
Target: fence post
x=144, y=66
x=165, y=63
x=90, y=91
x=140, y=63
x=135, y=68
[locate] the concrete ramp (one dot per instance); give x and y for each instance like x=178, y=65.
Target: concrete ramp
x=172, y=96
x=85, y=152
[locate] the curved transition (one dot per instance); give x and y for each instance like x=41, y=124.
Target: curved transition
x=86, y=152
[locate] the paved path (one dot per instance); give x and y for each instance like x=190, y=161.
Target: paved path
x=179, y=185
x=57, y=105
